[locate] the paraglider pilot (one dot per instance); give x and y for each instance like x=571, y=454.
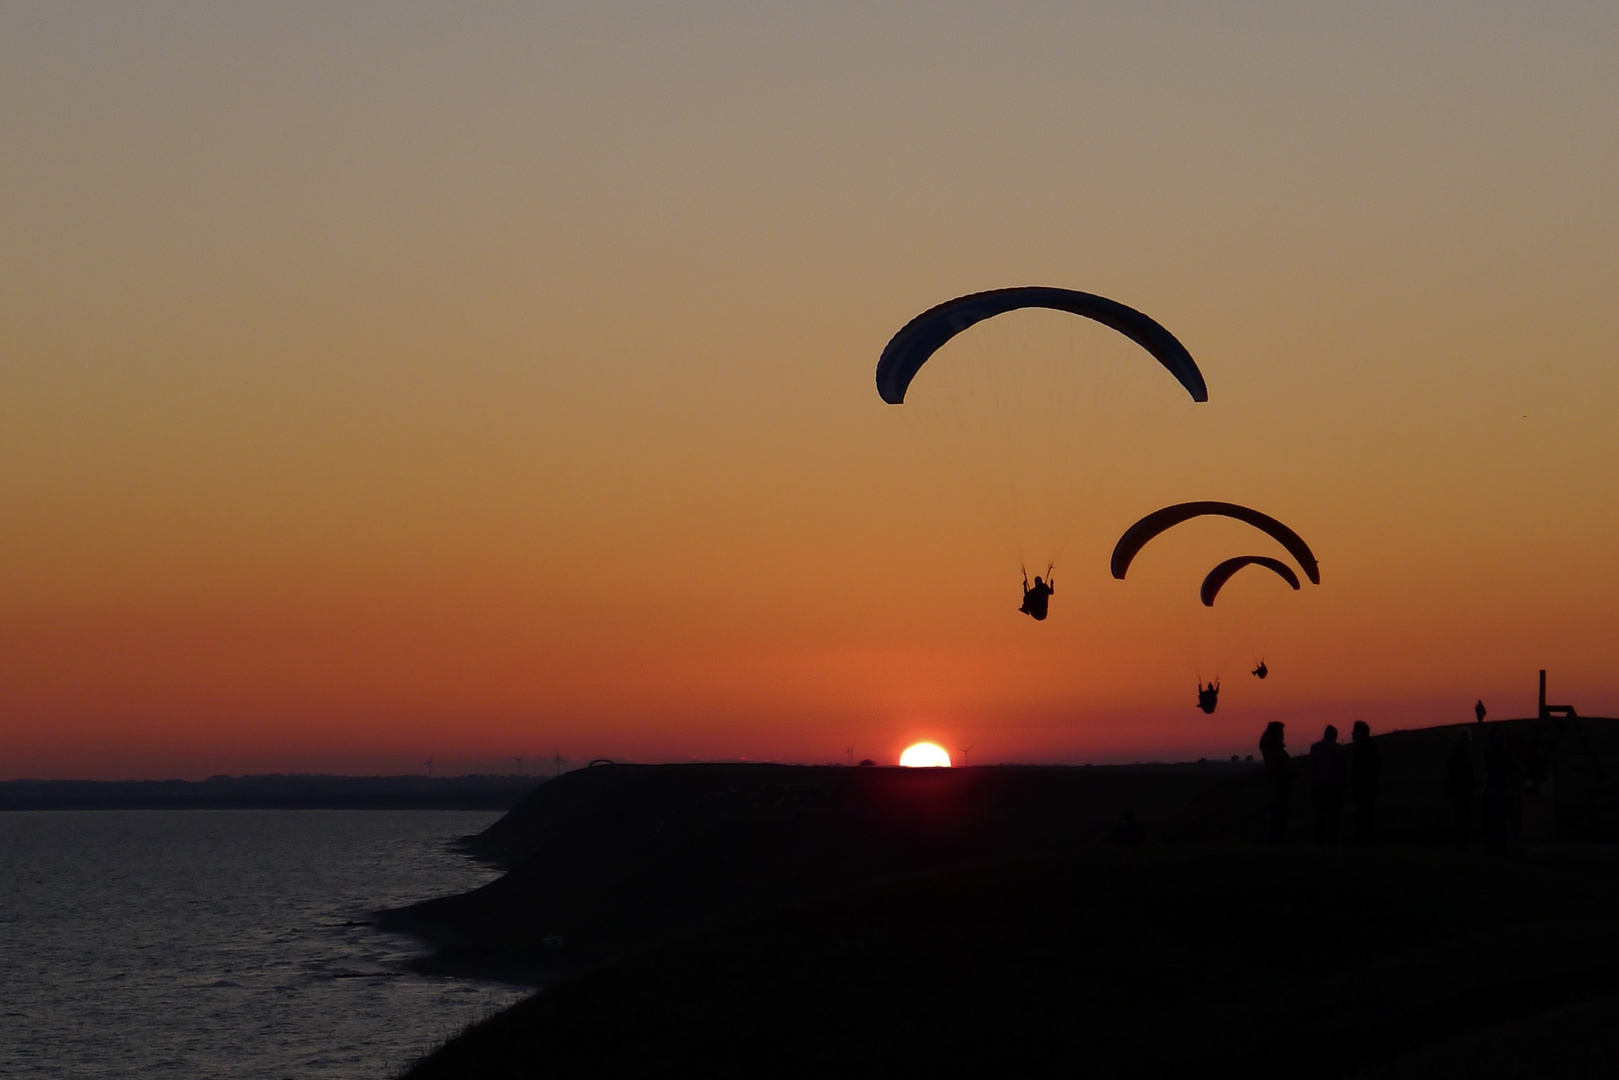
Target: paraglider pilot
x=1208, y=697
x=1037, y=597
x=1261, y=670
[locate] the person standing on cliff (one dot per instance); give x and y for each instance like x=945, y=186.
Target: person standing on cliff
x=1327, y=786
x=1279, y=771
x=1365, y=770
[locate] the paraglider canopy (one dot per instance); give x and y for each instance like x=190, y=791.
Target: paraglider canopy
x=1138, y=535
x=924, y=335
x=1223, y=573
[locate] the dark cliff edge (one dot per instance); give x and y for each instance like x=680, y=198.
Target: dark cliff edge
x=878, y=919
x=605, y=861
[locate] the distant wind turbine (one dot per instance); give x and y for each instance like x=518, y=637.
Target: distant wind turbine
x=429, y=764
x=962, y=750
x=558, y=755
x=519, y=759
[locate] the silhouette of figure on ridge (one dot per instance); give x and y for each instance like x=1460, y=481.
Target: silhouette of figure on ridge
x=1037, y=597
x=1279, y=771
x=1327, y=782
x=1479, y=710
x=1208, y=697
x=1365, y=769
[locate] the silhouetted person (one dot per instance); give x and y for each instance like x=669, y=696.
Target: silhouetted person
x=1261, y=670
x=1498, y=794
x=1279, y=771
x=1208, y=697
x=1459, y=786
x=1365, y=769
x=1327, y=782
x=1037, y=597
x=1479, y=710
x=1127, y=830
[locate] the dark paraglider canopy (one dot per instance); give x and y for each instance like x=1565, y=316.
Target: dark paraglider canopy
x=924, y=335
x=1138, y=535
x=1223, y=573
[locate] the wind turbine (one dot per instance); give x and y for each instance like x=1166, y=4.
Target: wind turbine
x=519, y=759
x=849, y=751
x=558, y=755
x=962, y=750
x=429, y=764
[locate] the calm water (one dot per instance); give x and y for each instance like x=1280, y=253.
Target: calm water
x=201, y=943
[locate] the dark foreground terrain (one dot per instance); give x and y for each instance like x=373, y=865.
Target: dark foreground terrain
x=804, y=921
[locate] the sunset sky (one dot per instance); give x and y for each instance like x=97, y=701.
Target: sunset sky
x=385, y=380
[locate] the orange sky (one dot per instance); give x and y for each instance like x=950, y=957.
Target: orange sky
x=399, y=380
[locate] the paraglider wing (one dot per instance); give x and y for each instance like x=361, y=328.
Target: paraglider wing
x=924, y=335
x=1222, y=574
x=1137, y=536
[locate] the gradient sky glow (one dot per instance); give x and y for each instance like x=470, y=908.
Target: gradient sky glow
x=379, y=380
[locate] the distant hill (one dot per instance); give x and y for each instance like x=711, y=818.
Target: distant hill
x=272, y=792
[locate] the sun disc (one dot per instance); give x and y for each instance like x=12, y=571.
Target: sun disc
x=925, y=755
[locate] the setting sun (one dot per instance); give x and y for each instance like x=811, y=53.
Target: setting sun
x=925, y=755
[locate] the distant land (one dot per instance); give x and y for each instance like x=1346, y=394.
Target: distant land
x=272, y=792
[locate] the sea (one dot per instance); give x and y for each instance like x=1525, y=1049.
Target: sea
x=226, y=943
